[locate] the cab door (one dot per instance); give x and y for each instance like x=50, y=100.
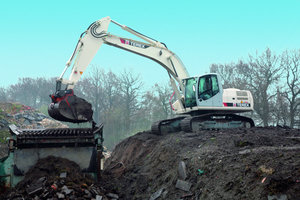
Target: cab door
x=209, y=91
x=190, y=92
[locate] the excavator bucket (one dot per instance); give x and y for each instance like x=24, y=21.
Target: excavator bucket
x=70, y=108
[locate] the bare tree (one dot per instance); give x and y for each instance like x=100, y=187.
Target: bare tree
x=130, y=86
x=259, y=76
x=290, y=62
x=3, y=95
x=233, y=74
x=264, y=72
x=279, y=109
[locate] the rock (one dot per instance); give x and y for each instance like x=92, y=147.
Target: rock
x=98, y=197
x=88, y=193
x=17, y=116
x=164, y=194
x=40, y=116
x=156, y=194
x=66, y=190
x=36, y=186
x=182, y=170
x=60, y=195
x=29, y=117
x=246, y=151
x=277, y=197
x=63, y=175
x=34, y=189
x=183, y=185
x=26, y=122
x=111, y=195
x=3, y=122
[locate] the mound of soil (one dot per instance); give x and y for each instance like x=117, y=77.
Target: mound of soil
x=55, y=178
x=256, y=163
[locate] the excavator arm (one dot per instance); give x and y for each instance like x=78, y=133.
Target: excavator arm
x=67, y=107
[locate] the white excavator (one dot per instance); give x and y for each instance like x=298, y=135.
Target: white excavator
x=201, y=102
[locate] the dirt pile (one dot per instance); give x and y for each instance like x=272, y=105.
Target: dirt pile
x=256, y=163
x=56, y=178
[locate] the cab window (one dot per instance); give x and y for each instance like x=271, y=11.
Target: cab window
x=208, y=87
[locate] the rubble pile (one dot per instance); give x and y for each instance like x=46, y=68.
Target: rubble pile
x=25, y=117
x=57, y=178
x=256, y=163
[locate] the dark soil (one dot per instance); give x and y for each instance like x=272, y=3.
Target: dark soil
x=254, y=163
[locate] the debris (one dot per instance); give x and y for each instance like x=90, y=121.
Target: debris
x=111, y=195
x=164, y=194
x=66, y=190
x=63, y=175
x=266, y=170
x=54, y=186
x=200, y=172
x=277, y=197
x=98, y=197
x=88, y=193
x=156, y=194
x=183, y=185
x=187, y=195
x=182, y=170
x=263, y=180
x=74, y=186
x=36, y=187
x=246, y=151
x=60, y=195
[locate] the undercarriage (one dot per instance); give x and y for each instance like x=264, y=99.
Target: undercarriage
x=190, y=123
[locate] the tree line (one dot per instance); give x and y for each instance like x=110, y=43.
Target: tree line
x=274, y=81
x=119, y=100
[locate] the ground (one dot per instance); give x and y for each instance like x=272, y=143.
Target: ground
x=254, y=163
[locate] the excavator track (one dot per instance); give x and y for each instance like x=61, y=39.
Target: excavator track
x=200, y=122
x=215, y=121
x=167, y=126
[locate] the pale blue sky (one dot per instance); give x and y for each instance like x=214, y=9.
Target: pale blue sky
x=38, y=37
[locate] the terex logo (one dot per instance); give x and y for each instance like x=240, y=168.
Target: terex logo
x=135, y=44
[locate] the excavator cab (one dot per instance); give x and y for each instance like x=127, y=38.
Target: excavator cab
x=203, y=91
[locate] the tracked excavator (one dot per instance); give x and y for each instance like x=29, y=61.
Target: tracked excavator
x=200, y=101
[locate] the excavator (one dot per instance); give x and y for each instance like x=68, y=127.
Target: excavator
x=200, y=101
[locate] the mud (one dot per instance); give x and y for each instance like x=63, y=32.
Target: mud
x=256, y=163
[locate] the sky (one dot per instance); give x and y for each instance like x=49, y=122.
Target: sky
x=38, y=37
